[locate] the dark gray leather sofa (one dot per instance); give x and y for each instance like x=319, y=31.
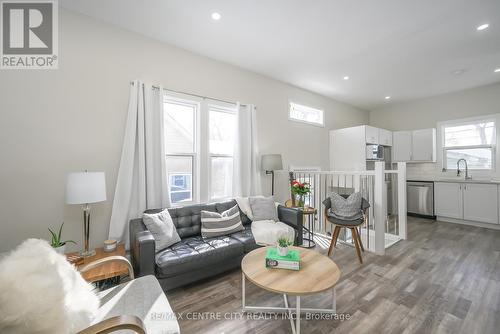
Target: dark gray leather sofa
x=195, y=258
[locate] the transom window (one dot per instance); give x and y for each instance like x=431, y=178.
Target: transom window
x=302, y=113
x=472, y=141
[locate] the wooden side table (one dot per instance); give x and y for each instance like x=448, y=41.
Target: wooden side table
x=106, y=271
x=309, y=213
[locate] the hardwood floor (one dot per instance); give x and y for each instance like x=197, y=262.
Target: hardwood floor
x=444, y=279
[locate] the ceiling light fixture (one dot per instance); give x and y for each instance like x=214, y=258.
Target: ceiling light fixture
x=483, y=26
x=460, y=71
x=216, y=16
x=387, y=97
x=346, y=78
x=497, y=70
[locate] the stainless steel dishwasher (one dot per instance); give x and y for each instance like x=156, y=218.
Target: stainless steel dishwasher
x=420, y=198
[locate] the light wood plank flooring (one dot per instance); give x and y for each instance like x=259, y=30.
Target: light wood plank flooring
x=444, y=279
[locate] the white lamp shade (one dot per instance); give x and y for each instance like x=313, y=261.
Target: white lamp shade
x=272, y=162
x=85, y=188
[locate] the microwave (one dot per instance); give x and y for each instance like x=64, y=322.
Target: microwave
x=374, y=152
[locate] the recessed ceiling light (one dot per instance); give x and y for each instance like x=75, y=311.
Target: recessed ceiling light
x=387, y=97
x=460, y=71
x=497, y=70
x=346, y=77
x=216, y=16
x=483, y=26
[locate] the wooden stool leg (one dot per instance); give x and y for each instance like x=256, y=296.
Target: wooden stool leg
x=358, y=235
x=356, y=243
x=335, y=235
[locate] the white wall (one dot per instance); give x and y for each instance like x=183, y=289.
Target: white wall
x=71, y=119
x=426, y=113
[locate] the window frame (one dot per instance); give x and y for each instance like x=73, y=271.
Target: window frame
x=176, y=98
x=219, y=107
x=492, y=147
x=290, y=118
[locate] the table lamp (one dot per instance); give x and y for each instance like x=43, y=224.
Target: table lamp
x=271, y=163
x=86, y=188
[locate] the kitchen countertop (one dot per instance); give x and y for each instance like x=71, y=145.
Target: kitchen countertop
x=431, y=178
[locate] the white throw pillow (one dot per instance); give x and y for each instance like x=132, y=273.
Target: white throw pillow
x=244, y=205
x=162, y=228
x=42, y=293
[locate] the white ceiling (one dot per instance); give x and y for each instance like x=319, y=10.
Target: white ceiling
x=407, y=49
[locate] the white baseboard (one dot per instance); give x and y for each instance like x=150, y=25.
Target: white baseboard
x=468, y=222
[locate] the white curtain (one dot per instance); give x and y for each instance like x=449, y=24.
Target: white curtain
x=142, y=182
x=246, y=170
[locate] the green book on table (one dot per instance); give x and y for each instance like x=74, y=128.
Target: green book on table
x=290, y=261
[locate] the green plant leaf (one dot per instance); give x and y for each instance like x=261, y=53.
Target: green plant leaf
x=60, y=230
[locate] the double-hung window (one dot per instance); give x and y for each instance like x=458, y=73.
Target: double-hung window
x=222, y=125
x=199, y=143
x=473, y=141
x=180, y=125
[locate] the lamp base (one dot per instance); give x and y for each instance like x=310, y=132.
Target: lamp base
x=89, y=253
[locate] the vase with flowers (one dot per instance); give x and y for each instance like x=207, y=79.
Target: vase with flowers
x=300, y=190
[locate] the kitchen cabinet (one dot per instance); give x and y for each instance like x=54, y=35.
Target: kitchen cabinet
x=385, y=137
x=424, y=145
x=401, y=146
x=475, y=202
x=348, y=146
x=372, y=135
x=448, y=200
x=480, y=202
x=414, y=146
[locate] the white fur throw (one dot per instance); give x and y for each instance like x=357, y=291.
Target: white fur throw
x=42, y=293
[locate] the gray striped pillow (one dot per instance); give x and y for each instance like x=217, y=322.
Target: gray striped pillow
x=214, y=224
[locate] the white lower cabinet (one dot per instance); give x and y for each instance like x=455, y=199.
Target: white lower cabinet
x=476, y=202
x=448, y=200
x=481, y=202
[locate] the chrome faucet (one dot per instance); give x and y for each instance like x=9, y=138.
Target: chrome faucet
x=467, y=177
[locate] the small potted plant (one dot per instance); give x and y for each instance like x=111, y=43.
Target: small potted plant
x=299, y=191
x=282, y=246
x=57, y=243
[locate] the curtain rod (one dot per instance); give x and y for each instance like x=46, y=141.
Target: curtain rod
x=195, y=95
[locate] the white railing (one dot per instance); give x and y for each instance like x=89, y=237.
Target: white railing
x=386, y=223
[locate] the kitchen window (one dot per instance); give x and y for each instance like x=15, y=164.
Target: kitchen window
x=473, y=141
x=305, y=114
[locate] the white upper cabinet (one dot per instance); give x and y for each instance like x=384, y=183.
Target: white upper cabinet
x=371, y=134
x=401, y=146
x=385, y=137
x=424, y=145
x=414, y=146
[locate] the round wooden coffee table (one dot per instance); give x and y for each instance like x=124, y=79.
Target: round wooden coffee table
x=317, y=273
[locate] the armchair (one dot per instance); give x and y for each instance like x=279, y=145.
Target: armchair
x=117, y=313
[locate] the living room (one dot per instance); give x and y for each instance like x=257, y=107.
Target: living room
x=191, y=109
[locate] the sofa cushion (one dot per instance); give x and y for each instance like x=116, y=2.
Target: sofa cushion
x=144, y=298
x=194, y=253
x=246, y=238
x=214, y=224
x=263, y=208
x=162, y=228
